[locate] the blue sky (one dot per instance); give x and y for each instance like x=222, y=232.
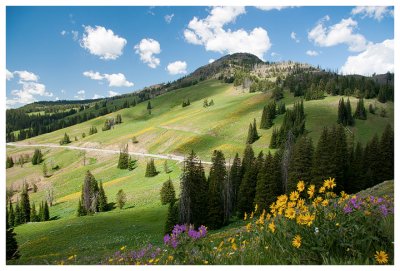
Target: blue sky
x=86, y=52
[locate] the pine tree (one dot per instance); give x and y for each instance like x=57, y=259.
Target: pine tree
x=11, y=215
x=248, y=159
x=386, y=147
x=18, y=215
x=166, y=167
x=266, y=187
x=102, y=198
x=281, y=108
x=322, y=165
x=123, y=161
x=167, y=192
x=40, y=214
x=34, y=217
x=65, y=140
x=131, y=164
x=255, y=133
x=80, y=210
x=342, y=114
x=235, y=174
x=90, y=192
x=121, y=198
x=216, y=180
x=375, y=160
x=118, y=119
x=25, y=204
x=349, y=114
x=274, y=139
x=151, y=170
x=250, y=135
x=382, y=94
x=46, y=212
x=172, y=217
x=149, y=107
x=356, y=170
x=266, y=120
x=37, y=157
x=11, y=243
x=44, y=170
x=193, y=198
x=9, y=162
x=360, y=112
x=301, y=162
x=339, y=157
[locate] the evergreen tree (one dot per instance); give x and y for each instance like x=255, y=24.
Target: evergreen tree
x=356, y=170
x=216, y=180
x=255, y=133
x=9, y=162
x=34, y=217
x=80, y=210
x=375, y=160
x=151, y=170
x=44, y=170
x=266, y=187
x=250, y=135
x=235, y=174
x=248, y=159
x=274, y=139
x=382, y=94
x=37, y=157
x=166, y=167
x=18, y=215
x=386, y=146
x=121, y=198
x=65, y=140
x=281, y=108
x=118, y=119
x=172, y=217
x=11, y=215
x=40, y=214
x=11, y=243
x=102, y=202
x=193, y=199
x=131, y=164
x=46, y=212
x=349, y=114
x=301, y=162
x=90, y=192
x=339, y=159
x=266, y=120
x=322, y=165
x=25, y=204
x=167, y=192
x=123, y=161
x=342, y=114
x=360, y=112
x=149, y=107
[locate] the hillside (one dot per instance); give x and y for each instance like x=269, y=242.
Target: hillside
x=170, y=129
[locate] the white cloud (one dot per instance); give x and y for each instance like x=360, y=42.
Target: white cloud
x=63, y=33
x=211, y=60
x=96, y=96
x=117, y=80
x=210, y=32
x=177, y=67
x=340, y=33
x=377, y=58
x=378, y=13
x=268, y=8
x=312, y=53
x=27, y=76
x=28, y=93
x=80, y=95
x=114, y=80
x=293, y=37
x=9, y=75
x=168, y=18
x=102, y=42
x=62, y=91
x=93, y=75
x=112, y=93
x=75, y=35
x=147, y=48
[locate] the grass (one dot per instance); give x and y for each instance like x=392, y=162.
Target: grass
x=170, y=129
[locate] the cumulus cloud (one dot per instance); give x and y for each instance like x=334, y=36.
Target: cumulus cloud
x=377, y=13
x=114, y=80
x=80, y=95
x=210, y=33
x=28, y=93
x=377, y=58
x=63, y=33
x=93, y=75
x=112, y=93
x=102, y=42
x=177, y=67
x=312, y=53
x=9, y=75
x=147, y=48
x=96, y=96
x=75, y=35
x=168, y=18
x=211, y=60
x=340, y=33
x=27, y=76
x=293, y=37
x=268, y=8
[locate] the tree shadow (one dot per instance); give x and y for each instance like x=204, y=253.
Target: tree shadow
x=55, y=217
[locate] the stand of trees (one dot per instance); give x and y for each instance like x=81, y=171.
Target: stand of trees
x=65, y=139
x=252, y=134
x=345, y=115
x=93, y=198
x=151, y=170
x=37, y=157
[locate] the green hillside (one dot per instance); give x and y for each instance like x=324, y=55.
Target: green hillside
x=169, y=129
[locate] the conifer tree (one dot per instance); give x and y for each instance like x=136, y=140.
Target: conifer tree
x=360, y=112
x=193, y=198
x=37, y=157
x=266, y=188
x=301, y=162
x=255, y=133
x=248, y=159
x=131, y=164
x=349, y=114
x=123, y=161
x=355, y=176
x=46, y=212
x=25, y=204
x=11, y=243
x=102, y=198
x=151, y=170
x=386, y=146
x=65, y=140
x=45, y=170
x=172, y=217
x=149, y=107
x=281, y=108
x=11, y=215
x=167, y=192
x=90, y=192
x=18, y=215
x=266, y=120
x=322, y=165
x=118, y=119
x=375, y=160
x=121, y=198
x=235, y=175
x=339, y=157
x=274, y=139
x=166, y=167
x=41, y=209
x=216, y=180
x=80, y=210
x=342, y=115
x=250, y=135
x=34, y=217
x=9, y=162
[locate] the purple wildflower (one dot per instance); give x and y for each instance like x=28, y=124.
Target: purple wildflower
x=347, y=209
x=174, y=242
x=384, y=210
x=193, y=234
x=202, y=231
x=167, y=238
x=178, y=229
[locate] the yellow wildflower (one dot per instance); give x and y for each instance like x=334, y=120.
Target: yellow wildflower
x=367, y=213
x=151, y=260
x=290, y=213
x=282, y=199
x=322, y=190
x=110, y=260
x=256, y=208
x=317, y=201
x=71, y=257
x=123, y=248
x=325, y=203
x=248, y=227
x=234, y=246
x=170, y=258
x=220, y=245
x=245, y=216
x=294, y=195
x=268, y=216
x=291, y=204
x=311, y=191
x=271, y=227
x=251, y=215
x=300, y=202
x=337, y=225
x=296, y=242
x=381, y=257
x=232, y=240
x=121, y=259
x=300, y=186
x=205, y=262
x=330, y=183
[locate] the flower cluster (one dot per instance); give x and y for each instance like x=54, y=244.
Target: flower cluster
x=173, y=239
